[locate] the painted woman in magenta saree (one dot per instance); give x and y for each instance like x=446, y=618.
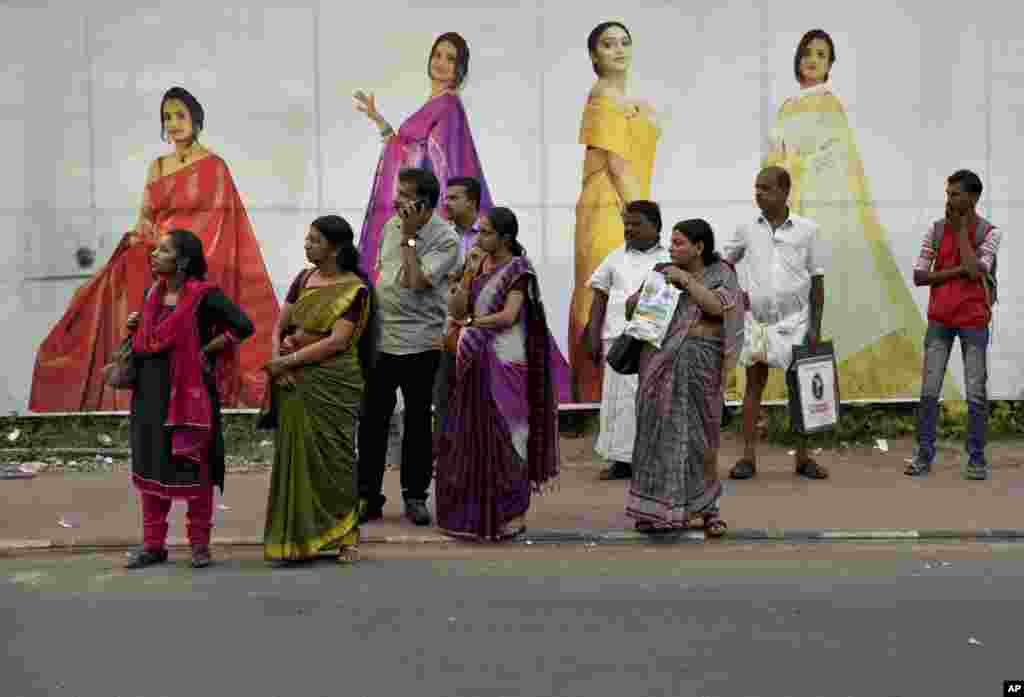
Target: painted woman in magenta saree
x=437, y=138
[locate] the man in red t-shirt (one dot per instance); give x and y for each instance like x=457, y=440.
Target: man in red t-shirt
x=958, y=262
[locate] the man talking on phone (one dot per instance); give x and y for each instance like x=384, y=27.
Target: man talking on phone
x=418, y=251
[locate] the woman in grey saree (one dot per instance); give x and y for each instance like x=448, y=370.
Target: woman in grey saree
x=679, y=402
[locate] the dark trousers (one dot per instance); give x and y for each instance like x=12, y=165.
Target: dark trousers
x=938, y=344
x=414, y=375
x=445, y=372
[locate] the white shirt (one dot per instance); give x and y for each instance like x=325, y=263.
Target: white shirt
x=620, y=275
x=778, y=266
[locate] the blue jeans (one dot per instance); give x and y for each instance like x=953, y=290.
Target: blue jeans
x=938, y=343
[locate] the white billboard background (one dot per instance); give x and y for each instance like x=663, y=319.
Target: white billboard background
x=926, y=93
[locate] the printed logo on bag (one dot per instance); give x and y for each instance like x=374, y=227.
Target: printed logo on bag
x=817, y=386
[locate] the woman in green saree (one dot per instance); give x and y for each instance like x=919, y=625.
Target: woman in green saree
x=324, y=347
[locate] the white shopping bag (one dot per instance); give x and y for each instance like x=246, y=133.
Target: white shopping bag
x=654, y=311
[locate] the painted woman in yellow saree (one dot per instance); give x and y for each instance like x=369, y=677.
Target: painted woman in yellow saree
x=621, y=135
x=869, y=311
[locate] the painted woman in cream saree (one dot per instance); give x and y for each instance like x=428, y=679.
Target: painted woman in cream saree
x=869, y=312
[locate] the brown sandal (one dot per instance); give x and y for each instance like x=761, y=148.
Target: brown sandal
x=695, y=521
x=715, y=527
x=348, y=554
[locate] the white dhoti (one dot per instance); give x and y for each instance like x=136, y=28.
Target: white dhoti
x=771, y=343
x=618, y=414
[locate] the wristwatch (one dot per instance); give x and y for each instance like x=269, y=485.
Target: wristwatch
x=411, y=242
x=469, y=321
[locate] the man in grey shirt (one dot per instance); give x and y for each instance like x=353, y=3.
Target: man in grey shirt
x=418, y=250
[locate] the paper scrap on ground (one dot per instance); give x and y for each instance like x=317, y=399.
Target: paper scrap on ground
x=882, y=444
x=70, y=520
x=14, y=435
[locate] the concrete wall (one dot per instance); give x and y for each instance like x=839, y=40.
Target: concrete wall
x=927, y=92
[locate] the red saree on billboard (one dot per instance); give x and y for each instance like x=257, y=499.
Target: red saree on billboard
x=200, y=197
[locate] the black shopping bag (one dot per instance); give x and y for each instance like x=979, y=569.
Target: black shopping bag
x=813, y=383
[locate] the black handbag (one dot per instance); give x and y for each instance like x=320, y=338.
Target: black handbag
x=624, y=354
x=121, y=372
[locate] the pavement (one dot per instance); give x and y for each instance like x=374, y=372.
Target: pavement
x=809, y=621
x=867, y=497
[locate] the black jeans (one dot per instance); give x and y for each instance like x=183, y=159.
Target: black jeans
x=445, y=372
x=414, y=375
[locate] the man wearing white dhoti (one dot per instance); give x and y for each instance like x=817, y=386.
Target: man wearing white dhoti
x=618, y=277
x=784, y=277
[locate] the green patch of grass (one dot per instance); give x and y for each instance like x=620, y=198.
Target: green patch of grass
x=244, y=442
x=241, y=437
x=860, y=424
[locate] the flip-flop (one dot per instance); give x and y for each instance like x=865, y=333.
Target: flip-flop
x=812, y=470
x=743, y=469
x=512, y=534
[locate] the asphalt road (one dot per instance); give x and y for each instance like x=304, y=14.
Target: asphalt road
x=707, y=620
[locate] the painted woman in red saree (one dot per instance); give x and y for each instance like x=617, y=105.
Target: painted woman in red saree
x=190, y=189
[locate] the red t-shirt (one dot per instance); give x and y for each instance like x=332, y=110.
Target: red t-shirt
x=959, y=302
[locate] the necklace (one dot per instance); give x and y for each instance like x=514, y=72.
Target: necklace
x=327, y=276
x=186, y=152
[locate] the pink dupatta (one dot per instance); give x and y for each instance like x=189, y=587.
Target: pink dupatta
x=190, y=409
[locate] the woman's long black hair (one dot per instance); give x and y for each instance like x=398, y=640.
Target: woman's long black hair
x=189, y=250
x=507, y=226
x=338, y=232
x=699, y=230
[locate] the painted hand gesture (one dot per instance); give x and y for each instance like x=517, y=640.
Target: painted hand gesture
x=366, y=104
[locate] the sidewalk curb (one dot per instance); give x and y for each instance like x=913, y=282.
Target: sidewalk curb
x=10, y=548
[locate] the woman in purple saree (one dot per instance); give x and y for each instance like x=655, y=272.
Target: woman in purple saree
x=501, y=440
x=437, y=137
x=679, y=401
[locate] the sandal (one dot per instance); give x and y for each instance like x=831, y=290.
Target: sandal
x=811, y=469
x=147, y=556
x=201, y=556
x=917, y=468
x=715, y=527
x=743, y=469
x=695, y=521
x=348, y=554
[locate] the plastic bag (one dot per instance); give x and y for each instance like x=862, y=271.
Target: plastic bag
x=654, y=311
